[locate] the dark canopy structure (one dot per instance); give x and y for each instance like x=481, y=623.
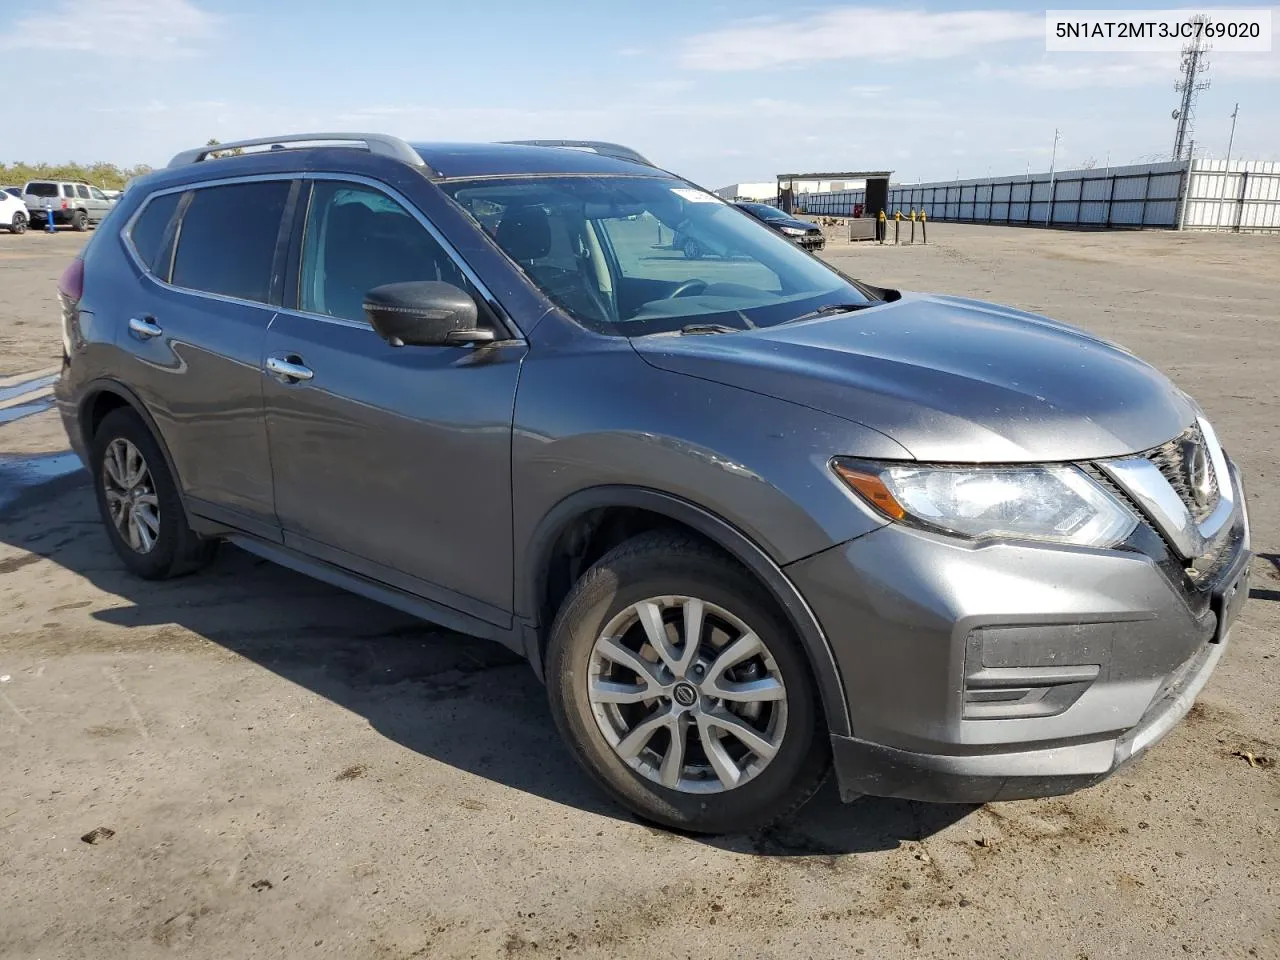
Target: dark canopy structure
x=877, y=197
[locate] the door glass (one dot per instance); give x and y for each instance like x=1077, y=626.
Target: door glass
x=97, y=194
x=227, y=239
x=69, y=190
x=82, y=191
x=358, y=238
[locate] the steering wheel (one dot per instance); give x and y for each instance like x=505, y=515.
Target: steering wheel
x=688, y=288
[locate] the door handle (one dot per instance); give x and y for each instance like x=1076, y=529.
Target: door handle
x=144, y=327
x=286, y=370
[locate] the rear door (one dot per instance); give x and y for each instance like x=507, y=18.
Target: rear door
x=197, y=336
x=394, y=462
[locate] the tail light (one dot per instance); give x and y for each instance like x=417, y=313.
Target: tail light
x=64, y=204
x=71, y=283
x=70, y=290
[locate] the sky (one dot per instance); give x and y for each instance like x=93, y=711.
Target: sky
x=720, y=93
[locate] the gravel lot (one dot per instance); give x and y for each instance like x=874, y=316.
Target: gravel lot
x=285, y=770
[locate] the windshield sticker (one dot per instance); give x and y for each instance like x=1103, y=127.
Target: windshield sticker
x=695, y=196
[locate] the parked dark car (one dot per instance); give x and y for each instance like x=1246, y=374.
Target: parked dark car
x=801, y=232
x=747, y=517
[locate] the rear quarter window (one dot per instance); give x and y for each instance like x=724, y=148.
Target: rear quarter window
x=150, y=232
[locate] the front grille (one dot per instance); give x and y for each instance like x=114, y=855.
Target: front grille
x=1171, y=460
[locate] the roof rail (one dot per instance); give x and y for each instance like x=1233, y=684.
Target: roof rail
x=379, y=143
x=602, y=147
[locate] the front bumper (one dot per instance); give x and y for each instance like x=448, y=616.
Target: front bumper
x=1009, y=671
x=811, y=242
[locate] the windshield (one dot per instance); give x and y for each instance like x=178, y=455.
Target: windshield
x=766, y=211
x=635, y=255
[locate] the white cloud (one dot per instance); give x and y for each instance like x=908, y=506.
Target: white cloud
x=1078, y=71
x=156, y=29
x=857, y=33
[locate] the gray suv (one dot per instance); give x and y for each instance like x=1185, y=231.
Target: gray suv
x=71, y=203
x=749, y=518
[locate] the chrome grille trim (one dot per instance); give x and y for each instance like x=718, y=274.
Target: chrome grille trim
x=1146, y=480
x=1170, y=459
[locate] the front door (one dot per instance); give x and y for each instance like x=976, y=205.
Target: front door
x=394, y=462
x=99, y=206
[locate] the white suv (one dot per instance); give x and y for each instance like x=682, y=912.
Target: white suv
x=13, y=213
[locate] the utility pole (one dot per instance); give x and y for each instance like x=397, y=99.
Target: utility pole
x=1232, y=139
x=1194, y=63
x=1226, y=167
x=1053, y=160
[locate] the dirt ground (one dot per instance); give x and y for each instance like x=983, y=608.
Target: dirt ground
x=280, y=769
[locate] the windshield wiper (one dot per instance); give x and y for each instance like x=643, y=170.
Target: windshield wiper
x=831, y=309
x=702, y=328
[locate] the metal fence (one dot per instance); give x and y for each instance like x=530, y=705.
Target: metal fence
x=1145, y=195
x=1244, y=199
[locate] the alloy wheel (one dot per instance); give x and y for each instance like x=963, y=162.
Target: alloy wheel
x=131, y=495
x=687, y=694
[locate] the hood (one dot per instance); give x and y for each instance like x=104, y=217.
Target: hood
x=949, y=379
x=792, y=222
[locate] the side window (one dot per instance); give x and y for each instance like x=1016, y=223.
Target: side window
x=69, y=190
x=149, y=232
x=97, y=194
x=82, y=191
x=358, y=238
x=227, y=239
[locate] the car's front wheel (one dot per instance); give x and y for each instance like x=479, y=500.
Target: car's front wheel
x=683, y=691
x=139, y=501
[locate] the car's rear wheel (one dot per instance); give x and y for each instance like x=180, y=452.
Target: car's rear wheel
x=80, y=221
x=683, y=691
x=139, y=501
x=18, y=224
x=692, y=248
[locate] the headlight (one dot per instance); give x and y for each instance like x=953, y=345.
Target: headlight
x=1057, y=503
x=794, y=231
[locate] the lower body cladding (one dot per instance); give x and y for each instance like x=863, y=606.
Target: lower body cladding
x=1008, y=671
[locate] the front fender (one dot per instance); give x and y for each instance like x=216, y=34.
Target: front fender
x=596, y=426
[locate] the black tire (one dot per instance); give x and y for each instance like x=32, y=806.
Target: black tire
x=176, y=550
x=19, y=223
x=692, y=248
x=672, y=563
x=79, y=221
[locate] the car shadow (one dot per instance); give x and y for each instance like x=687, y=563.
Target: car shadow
x=459, y=700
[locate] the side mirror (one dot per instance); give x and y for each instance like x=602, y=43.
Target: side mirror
x=424, y=313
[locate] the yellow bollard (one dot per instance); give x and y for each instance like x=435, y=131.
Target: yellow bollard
x=924, y=232
x=913, y=225
x=880, y=227
x=897, y=223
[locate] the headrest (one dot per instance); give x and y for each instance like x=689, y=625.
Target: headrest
x=525, y=233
